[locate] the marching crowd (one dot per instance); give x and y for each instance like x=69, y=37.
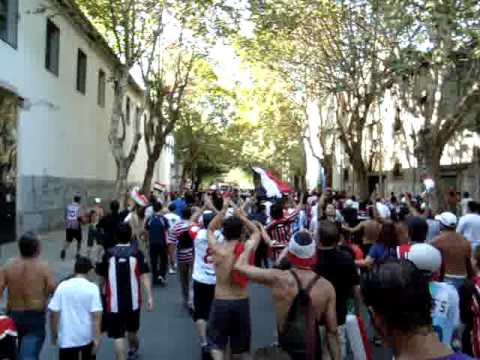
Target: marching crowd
x=334, y=266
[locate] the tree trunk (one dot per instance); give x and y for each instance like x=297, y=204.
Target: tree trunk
x=148, y=176
x=428, y=153
x=361, y=183
x=476, y=167
x=121, y=183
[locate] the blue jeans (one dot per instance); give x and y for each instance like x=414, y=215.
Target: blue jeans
x=31, y=333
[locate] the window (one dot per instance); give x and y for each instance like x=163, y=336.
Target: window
x=127, y=111
x=9, y=21
x=53, y=47
x=81, y=71
x=101, y=89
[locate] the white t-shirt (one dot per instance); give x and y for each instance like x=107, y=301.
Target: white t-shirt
x=76, y=299
x=203, y=268
x=469, y=227
x=173, y=219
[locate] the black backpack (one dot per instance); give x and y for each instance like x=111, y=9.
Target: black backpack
x=300, y=336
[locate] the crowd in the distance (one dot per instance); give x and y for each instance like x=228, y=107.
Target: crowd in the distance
x=335, y=267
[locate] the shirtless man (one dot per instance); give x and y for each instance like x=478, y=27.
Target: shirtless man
x=456, y=251
x=229, y=320
x=285, y=286
x=29, y=282
x=371, y=231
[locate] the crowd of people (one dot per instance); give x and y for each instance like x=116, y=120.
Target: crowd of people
x=334, y=266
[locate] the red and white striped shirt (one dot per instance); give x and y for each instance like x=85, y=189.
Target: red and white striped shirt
x=184, y=242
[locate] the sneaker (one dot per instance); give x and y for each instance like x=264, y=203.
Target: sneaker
x=62, y=255
x=171, y=271
x=132, y=354
x=161, y=280
x=206, y=355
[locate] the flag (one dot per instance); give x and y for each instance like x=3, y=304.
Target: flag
x=273, y=186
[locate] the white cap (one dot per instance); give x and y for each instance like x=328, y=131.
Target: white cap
x=447, y=219
x=383, y=210
x=349, y=203
x=425, y=257
x=97, y=200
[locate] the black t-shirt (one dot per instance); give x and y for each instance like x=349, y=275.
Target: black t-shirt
x=338, y=266
x=108, y=226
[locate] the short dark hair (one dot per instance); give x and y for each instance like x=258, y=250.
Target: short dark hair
x=114, y=206
x=29, y=244
x=157, y=206
x=124, y=233
x=473, y=206
x=399, y=292
x=83, y=265
x=172, y=207
x=466, y=194
x=417, y=229
x=77, y=198
x=217, y=202
x=276, y=210
x=328, y=234
x=232, y=228
x=187, y=213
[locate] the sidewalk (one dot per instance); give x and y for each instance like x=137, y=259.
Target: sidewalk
x=50, y=252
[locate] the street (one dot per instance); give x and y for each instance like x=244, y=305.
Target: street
x=168, y=332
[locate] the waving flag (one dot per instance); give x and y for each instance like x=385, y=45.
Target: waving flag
x=273, y=186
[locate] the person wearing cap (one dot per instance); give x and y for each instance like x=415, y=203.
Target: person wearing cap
x=456, y=250
x=445, y=308
x=286, y=284
x=75, y=314
x=398, y=298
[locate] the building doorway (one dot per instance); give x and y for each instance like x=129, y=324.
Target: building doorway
x=8, y=165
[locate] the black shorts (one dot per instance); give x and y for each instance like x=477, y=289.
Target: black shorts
x=203, y=295
x=81, y=352
x=119, y=323
x=229, y=321
x=72, y=234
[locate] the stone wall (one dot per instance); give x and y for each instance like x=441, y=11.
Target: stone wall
x=41, y=200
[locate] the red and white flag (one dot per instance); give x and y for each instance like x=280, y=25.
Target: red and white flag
x=273, y=186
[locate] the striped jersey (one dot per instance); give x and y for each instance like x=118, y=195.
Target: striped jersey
x=122, y=266
x=173, y=219
x=184, y=242
x=280, y=230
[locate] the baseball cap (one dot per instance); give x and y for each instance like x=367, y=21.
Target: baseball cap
x=425, y=257
x=302, y=250
x=349, y=203
x=447, y=219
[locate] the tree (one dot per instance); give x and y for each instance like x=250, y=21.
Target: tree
x=336, y=49
x=438, y=76
x=132, y=28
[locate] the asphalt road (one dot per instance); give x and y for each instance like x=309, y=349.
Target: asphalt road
x=168, y=332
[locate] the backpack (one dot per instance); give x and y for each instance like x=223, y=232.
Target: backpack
x=157, y=226
x=300, y=337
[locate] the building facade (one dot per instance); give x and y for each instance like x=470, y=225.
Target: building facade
x=56, y=71
x=389, y=131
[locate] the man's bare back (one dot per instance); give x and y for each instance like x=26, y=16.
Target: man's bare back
x=224, y=259
x=322, y=295
x=371, y=231
x=30, y=282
